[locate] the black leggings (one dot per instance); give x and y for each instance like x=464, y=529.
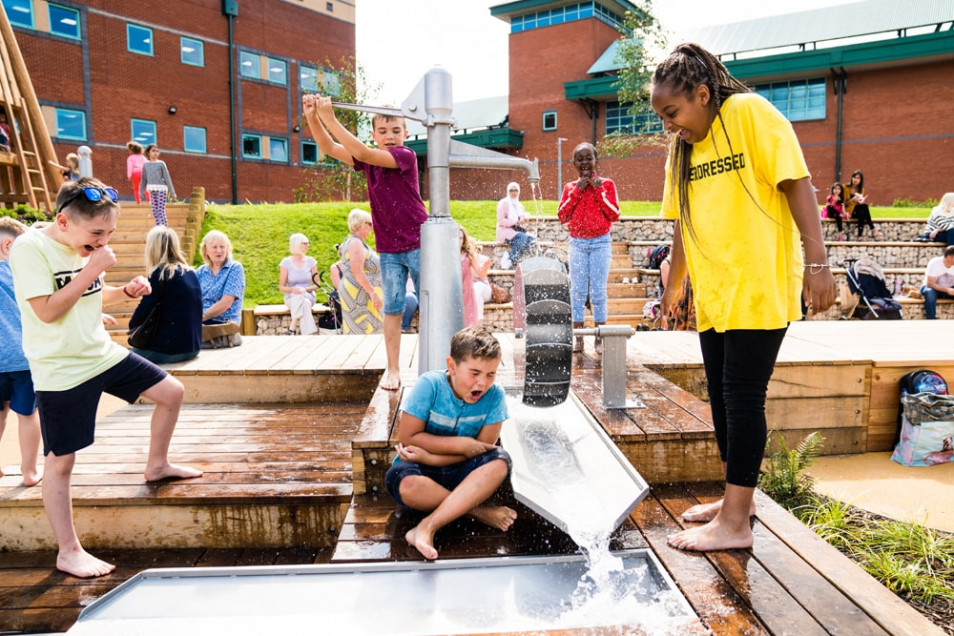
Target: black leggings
x=835, y=215
x=863, y=215
x=738, y=366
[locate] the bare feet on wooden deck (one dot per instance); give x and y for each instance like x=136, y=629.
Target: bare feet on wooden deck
x=500, y=517
x=171, y=471
x=391, y=381
x=82, y=564
x=422, y=541
x=32, y=478
x=707, y=512
x=715, y=535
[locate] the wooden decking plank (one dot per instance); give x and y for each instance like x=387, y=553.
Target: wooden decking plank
x=362, y=353
x=253, y=351
x=716, y=603
x=274, y=355
x=771, y=602
x=885, y=608
x=317, y=357
x=338, y=357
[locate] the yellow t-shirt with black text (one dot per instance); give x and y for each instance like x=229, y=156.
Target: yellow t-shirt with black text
x=744, y=258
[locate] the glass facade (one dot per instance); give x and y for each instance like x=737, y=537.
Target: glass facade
x=798, y=100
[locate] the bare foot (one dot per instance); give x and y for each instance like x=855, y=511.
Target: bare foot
x=708, y=512
x=32, y=477
x=82, y=564
x=715, y=535
x=422, y=541
x=500, y=517
x=391, y=381
x=171, y=471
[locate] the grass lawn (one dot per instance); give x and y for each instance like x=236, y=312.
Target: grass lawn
x=259, y=233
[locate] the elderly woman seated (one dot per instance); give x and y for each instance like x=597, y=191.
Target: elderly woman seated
x=296, y=281
x=223, y=289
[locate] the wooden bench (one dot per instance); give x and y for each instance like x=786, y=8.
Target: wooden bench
x=273, y=320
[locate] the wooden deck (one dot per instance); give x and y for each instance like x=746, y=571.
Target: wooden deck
x=300, y=480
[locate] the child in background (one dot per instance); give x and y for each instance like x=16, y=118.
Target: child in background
x=835, y=208
x=58, y=278
x=448, y=463
x=738, y=231
x=134, y=163
x=397, y=210
x=588, y=208
x=474, y=267
x=16, y=384
x=157, y=182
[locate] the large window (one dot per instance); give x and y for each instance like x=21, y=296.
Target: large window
x=263, y=67
x=798, y=100
x=64, y=21
x=560, y=15
x=143, y=131
x=139, y=39
x=332, y=83
x=192, y=52
x=308, y=79
x=70, y=124
x=277, y=71
x=19, y=12
x=193, y=139
x=620, y=120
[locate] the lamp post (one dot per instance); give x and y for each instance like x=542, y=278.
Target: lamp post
x=560, y=141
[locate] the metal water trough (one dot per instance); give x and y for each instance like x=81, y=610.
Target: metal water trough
x=466, y=596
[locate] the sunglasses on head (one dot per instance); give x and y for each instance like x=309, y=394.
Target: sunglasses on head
x=92, y=194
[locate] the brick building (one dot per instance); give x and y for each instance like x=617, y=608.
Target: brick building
x=866, y=87
x=107, y=71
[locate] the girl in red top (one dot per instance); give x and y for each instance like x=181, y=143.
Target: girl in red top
x=588, y=208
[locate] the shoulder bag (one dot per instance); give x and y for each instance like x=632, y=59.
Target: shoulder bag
x=142, y=335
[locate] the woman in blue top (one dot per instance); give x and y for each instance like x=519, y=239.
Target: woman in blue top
x=175, y=287
x=222, y=281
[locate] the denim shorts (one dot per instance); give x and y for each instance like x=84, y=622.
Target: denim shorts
x=16, y=387
x=447, y=476
x=68, y=418
x=395, y=268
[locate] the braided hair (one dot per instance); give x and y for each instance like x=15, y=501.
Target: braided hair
x=688, y=67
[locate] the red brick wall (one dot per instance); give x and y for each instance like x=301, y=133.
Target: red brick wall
x=123, y=85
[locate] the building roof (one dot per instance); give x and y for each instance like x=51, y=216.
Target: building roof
x=805, y=29
x=507, y=10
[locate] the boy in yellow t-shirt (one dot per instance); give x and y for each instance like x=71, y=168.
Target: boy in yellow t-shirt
x=58, y=277
x=739, y=189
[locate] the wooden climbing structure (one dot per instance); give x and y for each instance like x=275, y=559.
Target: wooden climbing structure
x=28, y=171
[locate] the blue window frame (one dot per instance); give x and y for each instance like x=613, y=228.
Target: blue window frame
x=250, y=65
x=70, y=124
x=139, y=39
x=64, y=21
x=193, y=139
x=277, y=71
x=252, y=146
x=798, y=100
x=560, y=15
x=192, y=51
x=19, y=12
x=278, y=149
x=143, y=131
x=620, y=120
x=549, y=120
x=307, y=78
x=309, y=152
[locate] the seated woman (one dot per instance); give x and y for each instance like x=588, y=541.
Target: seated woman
x=511, y=226
x=360, y=288
x=223, y=289
x=296, y=282
x=940, y=225
x=175, y=287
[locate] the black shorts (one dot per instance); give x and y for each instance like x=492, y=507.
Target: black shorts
x=68, y=418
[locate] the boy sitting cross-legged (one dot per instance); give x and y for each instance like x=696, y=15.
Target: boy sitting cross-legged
x=448, y=463
x=58, y=279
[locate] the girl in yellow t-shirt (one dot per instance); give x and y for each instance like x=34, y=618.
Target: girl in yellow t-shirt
x=739, y=190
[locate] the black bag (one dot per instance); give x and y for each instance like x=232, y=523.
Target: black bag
x=142, y=335
x=886, y=308
x=657, y=255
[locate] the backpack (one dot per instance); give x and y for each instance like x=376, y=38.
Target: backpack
x=920, y=381
x=657, y=255
x=923, y=381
